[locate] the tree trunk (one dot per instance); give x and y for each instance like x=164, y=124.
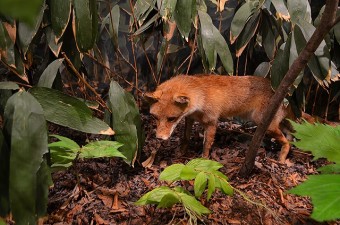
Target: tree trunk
x=327, y=22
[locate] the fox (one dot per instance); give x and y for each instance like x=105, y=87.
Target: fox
x=208, y=98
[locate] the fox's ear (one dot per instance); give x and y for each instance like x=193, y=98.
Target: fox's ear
x=181, y=99
x=152, y=97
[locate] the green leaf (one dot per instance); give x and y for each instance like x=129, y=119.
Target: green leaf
x=192, y=204
x=49, y=74
x=112, y=19
x=299, y=10
x=324, y=191
x=319, y=63
x=99, y=149
x=200, y=184
x=262, y=69
x=4, y=176
x=326, y=145
x=44, y=181
x=202, y=164
x=240, y=19
x=126, y=121
x=26, y=32
x=211, y=186
x=182, y=15
x=281, y=63
x=85, y=24
x=281, y=9
x=268, y=36
x=247, y=33
x=167, y=8
x=9, y=85
x=68, y=111
x=168, y=200
x=154, y=196
x=213, y=43
x=142, y=9
x=64, y=143
x=53, y=43
x=188, y=173
x=332, y=168
x=60, y=16
x=19, y=9
x=172, y=173
x=221, y=181
x=25, y=127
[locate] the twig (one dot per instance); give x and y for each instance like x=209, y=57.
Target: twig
x=80, y=77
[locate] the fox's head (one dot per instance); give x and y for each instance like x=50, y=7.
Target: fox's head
x=168, y=109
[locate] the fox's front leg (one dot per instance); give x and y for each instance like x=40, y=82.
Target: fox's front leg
x=187, y=132
x=209, y=137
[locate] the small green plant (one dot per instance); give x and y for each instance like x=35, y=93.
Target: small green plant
x=323, y=141
x=65, y=151
x=205, y=174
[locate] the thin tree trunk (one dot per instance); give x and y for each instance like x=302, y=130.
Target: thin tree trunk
x=327, y=22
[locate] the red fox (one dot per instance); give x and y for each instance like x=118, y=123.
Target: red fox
x=206, y=98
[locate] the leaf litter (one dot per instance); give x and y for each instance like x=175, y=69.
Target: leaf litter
x=103, y=191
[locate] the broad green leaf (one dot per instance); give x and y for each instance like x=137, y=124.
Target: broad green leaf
x=325, y=193
x=19, y=9
x=239, y=21
x=268, y=37
x=26, y=32
x=99, y=149
x=154, y=196
x=299, y=10
x=167, y=8
x=200, y=184
x=145, y=26
x=319, y=63
x=336, y=29
x=60, y=16
x=68, y=111
x=262, y=69
x=44, y=181
x=2, y=222
x=322, y=140
x=7, y=39
x=53, y=43
x=221, y=181
x=201, y=164
x=172, y=173
x=114, y=17
x=331, y=168
x=211, y=186
x=188, y=173
x=182, y=15
x=247, y=33
x=4, y=176
x=168, y=200
x=126, y=121
x=213, y=43
x=85, y=24
x=25, y=127
x=64, y=142
x=49, y=74
x=9, y=85
x=192, y=204
x=281, y=9
x=281, y=64
x=295, y=46
x=142, y=9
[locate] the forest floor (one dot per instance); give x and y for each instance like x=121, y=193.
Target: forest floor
x=103, y=191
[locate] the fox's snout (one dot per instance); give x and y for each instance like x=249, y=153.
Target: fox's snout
x=162, y=137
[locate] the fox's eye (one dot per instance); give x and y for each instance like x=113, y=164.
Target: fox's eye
x=172, y=119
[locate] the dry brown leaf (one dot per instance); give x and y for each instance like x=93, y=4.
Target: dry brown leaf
x=106, y=199
x=100, y=220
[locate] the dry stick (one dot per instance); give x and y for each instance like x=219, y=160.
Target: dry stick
x=193, y=49
x=112, y=72
x=13, y=71
x=75, y=71
x=327, y=22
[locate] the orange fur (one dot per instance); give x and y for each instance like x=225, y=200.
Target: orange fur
x=206, y=98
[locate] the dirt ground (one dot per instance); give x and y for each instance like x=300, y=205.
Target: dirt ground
x=103, y=191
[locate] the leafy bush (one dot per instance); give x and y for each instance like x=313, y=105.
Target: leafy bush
x=323, y=141
x=205, y=175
